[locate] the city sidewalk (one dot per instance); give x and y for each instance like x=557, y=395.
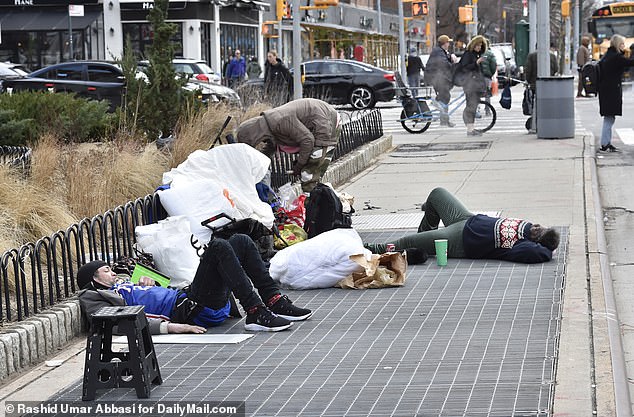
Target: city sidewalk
x=477, y=338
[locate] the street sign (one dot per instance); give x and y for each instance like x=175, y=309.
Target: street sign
x=76, y=10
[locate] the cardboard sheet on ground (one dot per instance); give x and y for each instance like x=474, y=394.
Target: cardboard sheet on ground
x=193, y=339
x=385, y=270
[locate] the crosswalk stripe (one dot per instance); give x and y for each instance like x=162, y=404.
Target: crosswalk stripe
x=626, y=134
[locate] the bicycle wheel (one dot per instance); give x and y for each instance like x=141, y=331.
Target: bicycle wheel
x=485, y=117
x=414, y=125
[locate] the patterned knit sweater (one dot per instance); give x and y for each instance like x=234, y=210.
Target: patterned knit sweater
x=487, y=237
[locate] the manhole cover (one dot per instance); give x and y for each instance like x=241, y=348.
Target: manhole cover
x=442, y=147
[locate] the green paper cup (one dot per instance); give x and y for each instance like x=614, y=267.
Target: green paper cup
x=441, y=251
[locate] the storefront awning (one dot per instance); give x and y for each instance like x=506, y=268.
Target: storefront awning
x=339, y=28
x=44, y=21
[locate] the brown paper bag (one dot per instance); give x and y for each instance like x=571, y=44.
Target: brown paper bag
x=381, y=271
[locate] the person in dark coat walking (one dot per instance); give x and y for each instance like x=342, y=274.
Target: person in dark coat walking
x=474, y=83
x=438, y=74
x=277, y=79
x=612, y=65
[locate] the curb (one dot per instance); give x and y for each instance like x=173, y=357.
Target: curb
x=31, y=341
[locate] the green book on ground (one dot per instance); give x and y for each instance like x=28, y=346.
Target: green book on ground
x=142, y=270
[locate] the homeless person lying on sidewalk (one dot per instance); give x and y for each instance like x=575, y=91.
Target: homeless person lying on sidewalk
x=476, y=236
x=307, y=126
x=232, y=265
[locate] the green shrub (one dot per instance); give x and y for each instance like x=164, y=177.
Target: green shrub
x=73, y=119
x=14, y=132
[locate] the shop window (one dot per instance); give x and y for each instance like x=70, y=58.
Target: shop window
x=141, y=37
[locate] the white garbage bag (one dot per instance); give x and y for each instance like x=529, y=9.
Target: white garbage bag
x=319, y=262
x=169, y=243
x=235, y=168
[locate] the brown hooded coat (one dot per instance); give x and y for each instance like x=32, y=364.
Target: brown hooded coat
x=307, y=123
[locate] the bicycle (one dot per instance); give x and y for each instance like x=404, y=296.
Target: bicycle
x=416, y=116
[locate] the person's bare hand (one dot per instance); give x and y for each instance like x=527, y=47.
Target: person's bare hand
x=185, y=328
x=146, y=281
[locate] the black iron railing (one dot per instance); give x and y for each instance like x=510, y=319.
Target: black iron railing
x=38, y=275
x=15, y=156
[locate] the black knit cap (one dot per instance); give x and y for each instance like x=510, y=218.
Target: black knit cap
x=87, y=271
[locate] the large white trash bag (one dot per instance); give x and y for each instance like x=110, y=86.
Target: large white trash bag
x=235, y=168
x=319, y=262
x=169, y=243
x=198, y=201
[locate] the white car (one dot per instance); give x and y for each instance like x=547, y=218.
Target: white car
x=196, y=69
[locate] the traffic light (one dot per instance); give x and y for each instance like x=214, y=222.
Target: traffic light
x=268, y=29
x=283, y=9
x=465, y=14
x=565, y=8
x=326, y=3
x=419, y=8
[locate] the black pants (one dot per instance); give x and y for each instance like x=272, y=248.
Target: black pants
x=232, y=265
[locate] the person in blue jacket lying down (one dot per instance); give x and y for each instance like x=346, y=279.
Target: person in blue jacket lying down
x=476, y=236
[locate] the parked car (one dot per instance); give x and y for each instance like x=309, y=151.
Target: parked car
x=97, y=80
x=507, y=67
x=209, y=86
x=195, y=69
x=10, y=71
x=336, y=81
x=340, y=81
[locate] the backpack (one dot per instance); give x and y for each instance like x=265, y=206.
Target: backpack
x=324, y=211
x=591, y=76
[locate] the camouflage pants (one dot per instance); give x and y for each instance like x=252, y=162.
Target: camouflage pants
x=316, y=167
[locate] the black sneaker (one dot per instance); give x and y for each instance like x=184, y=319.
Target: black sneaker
x=284, y=308
x=609, y=148
x=263, y=320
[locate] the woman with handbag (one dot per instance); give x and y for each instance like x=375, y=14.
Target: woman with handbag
x=473, y=81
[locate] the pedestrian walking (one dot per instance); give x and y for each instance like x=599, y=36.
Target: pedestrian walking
x=438, y=74
x=612, y=65
x=476, y=236
x=583, y=57
x=308, y=127
x=236, y=69
x=227, y=266
x=277, y=79
x=253, y=68
x=474, y=84
x=414, y=67
x=489, y=68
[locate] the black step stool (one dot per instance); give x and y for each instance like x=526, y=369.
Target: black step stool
x=137, y=368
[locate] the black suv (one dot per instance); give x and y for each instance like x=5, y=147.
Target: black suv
x=95, y=80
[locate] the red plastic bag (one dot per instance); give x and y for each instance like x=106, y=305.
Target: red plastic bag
x=296, y=215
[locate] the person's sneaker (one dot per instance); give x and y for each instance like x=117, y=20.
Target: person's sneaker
x=261, y=319
x=447, y=123
x=609, y=148
x=474, y=132
x=284, y=308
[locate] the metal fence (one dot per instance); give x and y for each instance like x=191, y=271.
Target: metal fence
x=38, y=275
x=15, y=156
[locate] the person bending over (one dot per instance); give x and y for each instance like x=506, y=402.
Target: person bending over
x=476, y=236
x=232, y=265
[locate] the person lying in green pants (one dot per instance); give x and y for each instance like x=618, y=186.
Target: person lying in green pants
x=476, y=236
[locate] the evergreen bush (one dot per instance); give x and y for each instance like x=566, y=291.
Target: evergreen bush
x=29, y=114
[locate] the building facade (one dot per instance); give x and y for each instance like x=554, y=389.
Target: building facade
x=37, y=33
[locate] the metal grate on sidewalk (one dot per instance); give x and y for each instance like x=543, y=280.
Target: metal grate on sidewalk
x=474, y=338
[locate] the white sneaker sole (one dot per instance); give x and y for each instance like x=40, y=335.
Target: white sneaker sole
x=296, y=318
x=254, y=327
